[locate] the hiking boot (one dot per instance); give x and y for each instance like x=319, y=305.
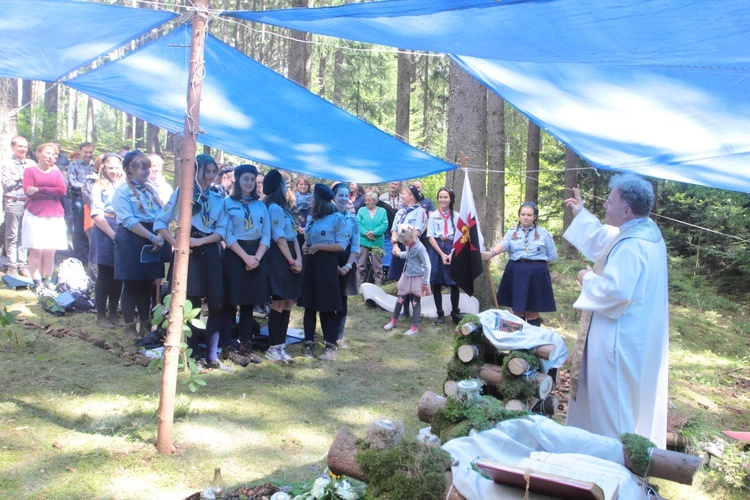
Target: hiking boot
x=411, y=331
x=217, y=365
x=235, y=357
x=457, y=316
x=330, y=354
x=341, y=344
x=145, y=328
x=130, y=331
x=112, y=318
x=103, y=322
x=309, y=349
x=440, y=320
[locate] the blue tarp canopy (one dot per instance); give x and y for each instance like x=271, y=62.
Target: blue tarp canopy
x=47, y=39
x=251, y=111
x=660, y=87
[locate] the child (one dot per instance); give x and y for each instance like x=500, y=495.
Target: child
x=415, y=279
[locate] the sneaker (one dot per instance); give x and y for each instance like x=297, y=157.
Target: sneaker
x=274, y=353
x=286, y=358
x=309, y=350
x=411, y=331
x=341, y=344
x=330, y=354
x=13, y=272
x=217, y=365
x=235, y=357
x=389, y=326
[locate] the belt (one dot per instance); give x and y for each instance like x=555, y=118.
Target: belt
x=529, y=261
x=111, y=215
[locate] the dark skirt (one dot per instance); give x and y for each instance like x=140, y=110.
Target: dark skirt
x=348, y=282
x=128, y=265
x=102, y=249
x=283, y=283
x=205, y=277
x=526, y=286
x=439, y=272
x=321, y=290
x=397, y=265
x=243, y=287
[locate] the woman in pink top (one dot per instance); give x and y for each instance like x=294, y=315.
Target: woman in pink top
x=44, y=229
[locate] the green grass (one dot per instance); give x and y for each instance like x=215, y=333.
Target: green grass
x=76, y=422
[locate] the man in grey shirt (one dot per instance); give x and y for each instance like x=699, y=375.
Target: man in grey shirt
x=78, y=171
x=14, y=199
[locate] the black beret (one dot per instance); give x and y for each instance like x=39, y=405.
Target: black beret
x=323, y=191
x=243, y=169
x=129, y=157
x=272, y=181
x=414, y=191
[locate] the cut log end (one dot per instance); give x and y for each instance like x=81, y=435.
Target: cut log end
x=467, y=352
x=467, y=328
x=451, y=389
x=429, y=404
x=341, y=456
x=518, y=366
x=545, y=351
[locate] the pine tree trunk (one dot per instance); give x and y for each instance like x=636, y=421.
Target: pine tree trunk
x=425, y=101
x=496, y=164
x=8, y=119
x=571, y=181
x=152, y=139
x=140, y=134
x=90, y=120
x=300, y=53
x=338, y=62
x=532, y=162
x=403, y=94
x=467, y=134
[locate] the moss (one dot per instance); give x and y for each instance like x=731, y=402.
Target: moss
x=456, y=420
x=458, y=370
x=529, y=356
x=637, y=453
x=407, y=470
x=513, y=387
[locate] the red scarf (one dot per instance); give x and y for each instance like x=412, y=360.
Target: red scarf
x=446, y=218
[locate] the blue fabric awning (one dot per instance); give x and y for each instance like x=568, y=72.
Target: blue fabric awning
x=47, y=39
x=250, y=111
x=659, y=87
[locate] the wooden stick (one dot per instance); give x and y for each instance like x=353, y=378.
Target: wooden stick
x=671, y=465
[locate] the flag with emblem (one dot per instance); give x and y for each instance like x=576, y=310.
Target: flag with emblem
x=466, y=263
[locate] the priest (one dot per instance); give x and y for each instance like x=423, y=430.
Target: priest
x=619, y=377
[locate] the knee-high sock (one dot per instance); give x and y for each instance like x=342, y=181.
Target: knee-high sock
x=455, y=296
x=437, y=295
x=274, y=320
x=308, y=322
x=284, y=324
x=417, y=310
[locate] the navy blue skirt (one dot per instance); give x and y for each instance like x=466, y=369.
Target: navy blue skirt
x=526, y=286
x=283, y=283
x=321, y=289
x=205, y=277
x=439, y=272
x=128, y=265
x=397, y=265
x=243, y=287
x=102, y=251
x=348, y=283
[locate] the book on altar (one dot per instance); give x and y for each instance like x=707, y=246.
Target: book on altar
x=560, y=475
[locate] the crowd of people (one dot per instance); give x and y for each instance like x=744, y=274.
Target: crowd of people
x=261, y=239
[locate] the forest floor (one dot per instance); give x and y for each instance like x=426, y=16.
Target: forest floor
x=78, y=420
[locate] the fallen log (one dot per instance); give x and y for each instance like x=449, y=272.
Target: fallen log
x=341, y=461
x=492, y=374
x=670, y=465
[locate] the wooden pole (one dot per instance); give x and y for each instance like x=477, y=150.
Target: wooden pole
x=179, y=274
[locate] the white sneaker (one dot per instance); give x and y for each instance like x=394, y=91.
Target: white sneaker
x=389, y=326
x=330, y=354
x=411, y=331
x=285, y=357
x=274, y=353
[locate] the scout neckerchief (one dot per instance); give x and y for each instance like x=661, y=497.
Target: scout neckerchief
x=446, y=217
x=634, y=231
x=408, y=209
x=203, y=201
x=143, y=188
x=246, y=207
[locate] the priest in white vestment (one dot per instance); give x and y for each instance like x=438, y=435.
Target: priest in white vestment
x=622, y=351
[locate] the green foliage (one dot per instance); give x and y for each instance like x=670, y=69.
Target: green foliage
x=734, y=468
x=186, y=361
x=8, y=322
x=456, y=419
x=637, y=451
x=406, y=470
